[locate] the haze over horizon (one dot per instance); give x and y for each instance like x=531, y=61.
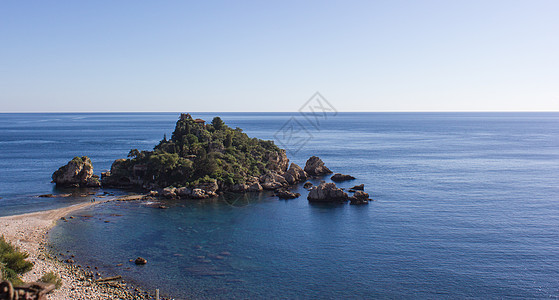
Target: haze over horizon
x=251, y=56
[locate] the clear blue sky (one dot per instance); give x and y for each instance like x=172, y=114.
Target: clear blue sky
x=272, y=56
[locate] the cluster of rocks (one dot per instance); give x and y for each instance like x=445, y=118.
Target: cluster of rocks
x=329, y=192
x=278, y=181
x=79, y=172
x=200, y=191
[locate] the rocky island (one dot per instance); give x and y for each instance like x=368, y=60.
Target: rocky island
x=201, y=160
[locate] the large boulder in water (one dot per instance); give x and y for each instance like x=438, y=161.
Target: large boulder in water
x=295, y=174
x=272, y=181
x=315, y=166
x=359, y=198
x=78, y=172
x=327, y=192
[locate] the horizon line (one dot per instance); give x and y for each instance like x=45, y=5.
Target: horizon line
x=346, y=111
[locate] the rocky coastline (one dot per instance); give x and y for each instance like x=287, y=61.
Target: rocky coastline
x=203, y=160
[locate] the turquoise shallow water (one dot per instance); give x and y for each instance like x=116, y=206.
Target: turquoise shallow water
x=467, y=206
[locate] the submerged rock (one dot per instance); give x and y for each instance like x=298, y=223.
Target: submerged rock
x=315, y=167
x=140, y=261
x=77, y=172
x=327, y=192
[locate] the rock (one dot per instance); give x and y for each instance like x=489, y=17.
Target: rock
x=153, y=193
x=359, y=187
x=327, y=192
x=162, y=207
x=207, y=186
x=254, y=187
x=295, y=174
x=140, y=261
x=183, y=192
x=277, y=161
x=308, y=185
x=315, y=167
x=77, y=172
x=198, y=194
x=169, y=192
x=359, y=197
x=272, y=181
x=238, y=188
x=341, y=177
x=285, y=194
x=47, y=196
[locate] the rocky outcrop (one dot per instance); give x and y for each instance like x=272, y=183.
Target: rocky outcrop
x=358, y=187
x=295, y=174
x=359, y=198
x=277, y=161
x=272, y=181
x=253, y=184
x=169, y=192
x=183, y=192
x=208, y=187
x=327, y=192
x=315, y=167
x=78, y=172
x=338, y=177
x=285, y=194
x=198, y=194
x=254, y=187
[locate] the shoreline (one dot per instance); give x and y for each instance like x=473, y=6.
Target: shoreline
x=29, y=232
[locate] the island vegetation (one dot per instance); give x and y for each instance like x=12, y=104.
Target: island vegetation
x=209, y=156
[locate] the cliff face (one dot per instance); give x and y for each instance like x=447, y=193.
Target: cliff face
x=199, y=153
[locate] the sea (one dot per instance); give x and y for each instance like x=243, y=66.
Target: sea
x=466, y=206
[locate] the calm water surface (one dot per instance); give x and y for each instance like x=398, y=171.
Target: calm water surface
x=467, y=206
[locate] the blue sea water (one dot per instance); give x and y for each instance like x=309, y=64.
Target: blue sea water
x=466, y=206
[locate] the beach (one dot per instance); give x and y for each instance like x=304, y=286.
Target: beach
x=29, y=232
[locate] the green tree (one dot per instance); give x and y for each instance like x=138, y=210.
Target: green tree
x=228, y=140
x=217, y=123
x=134, y=153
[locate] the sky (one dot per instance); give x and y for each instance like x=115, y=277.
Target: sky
x=218, y=56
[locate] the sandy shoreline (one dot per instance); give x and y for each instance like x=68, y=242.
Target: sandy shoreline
x=30, y=233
